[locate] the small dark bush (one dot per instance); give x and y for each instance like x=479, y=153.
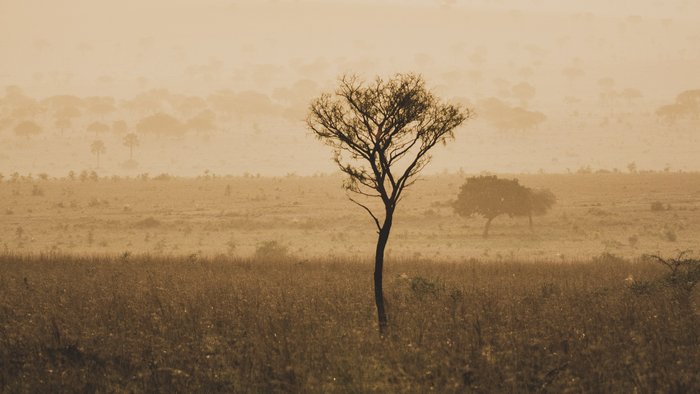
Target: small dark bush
x=271, y=250
x=422, y=287
x=657, y=206
x=148, y=222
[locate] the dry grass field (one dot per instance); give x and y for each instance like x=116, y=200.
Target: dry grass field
x=311, y=216
x=223, y=284
x=165, y=324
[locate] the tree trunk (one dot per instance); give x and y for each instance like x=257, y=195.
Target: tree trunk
x=529, y=216
x=486, y=228
x=131, y=152
x=378, y=271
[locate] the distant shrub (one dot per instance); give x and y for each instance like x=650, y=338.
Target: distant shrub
x=670, y=235
x=608, y=258
x=163, y=177
x=148, y=222
x=231, y=247
x=421, y=287
x=37, y=191
x=595, y=211
x=271, y=250
x=96, y=202
x=657, y=206
x=632, y=240
x=430, y=213
x=549, y=289
x=679, y=281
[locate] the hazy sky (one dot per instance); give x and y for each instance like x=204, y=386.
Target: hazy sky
x=575, y=58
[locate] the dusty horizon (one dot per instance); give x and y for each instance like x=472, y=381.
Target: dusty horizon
x=556, y=86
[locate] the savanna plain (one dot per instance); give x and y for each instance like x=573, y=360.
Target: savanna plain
x=260, y=284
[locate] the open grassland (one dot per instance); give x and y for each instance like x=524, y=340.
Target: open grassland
x=311, y=216
x=164, y=324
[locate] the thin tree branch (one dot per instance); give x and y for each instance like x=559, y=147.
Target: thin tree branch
x=376, y=221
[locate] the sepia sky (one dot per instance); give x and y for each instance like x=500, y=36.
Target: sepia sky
x=557, y=85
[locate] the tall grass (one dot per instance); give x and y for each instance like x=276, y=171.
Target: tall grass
x=142, y=323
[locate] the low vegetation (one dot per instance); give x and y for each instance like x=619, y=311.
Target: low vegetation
x=182, y=324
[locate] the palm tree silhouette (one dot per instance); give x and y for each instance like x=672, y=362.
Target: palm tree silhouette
x=97, y=148
x=131, y=140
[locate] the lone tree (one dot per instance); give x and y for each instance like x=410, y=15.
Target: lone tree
x=97, y=148
x=381, y=133
x=490, y=197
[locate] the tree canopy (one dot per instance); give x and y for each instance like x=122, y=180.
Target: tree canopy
x=27, y=129
x=160, y=124
x=489, y=196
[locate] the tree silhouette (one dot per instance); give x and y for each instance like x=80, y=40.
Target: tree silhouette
x=97, y=148
x=131, y=140
x=507, y=118
x=630, y=94
x=381, y=133
x=687, y=105
x=97, y=128
x=490, y=197
x=62, y=124
x=203, y=122
x=160, y=124
x=523, y=92
x=539, y=203
x=27, y=129
x=68, y=112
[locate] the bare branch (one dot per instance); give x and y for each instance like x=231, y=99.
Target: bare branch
x=376, y=221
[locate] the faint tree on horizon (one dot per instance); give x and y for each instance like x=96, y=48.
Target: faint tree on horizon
x=686, y=106
x=97, y=148
x=27, y=129
x=506, y=118
x=381, y=133
x=202, y=123
x=97, y=128
x=523, y=92
x=62, y=124
x=161, y=124
x=131, y=140
x=630, y=94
